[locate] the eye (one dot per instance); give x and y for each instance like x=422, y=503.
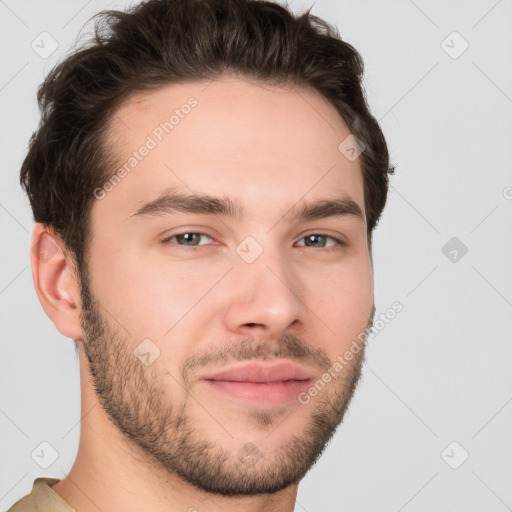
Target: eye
x=191, y=239
x=188, y=238
x=315, y=237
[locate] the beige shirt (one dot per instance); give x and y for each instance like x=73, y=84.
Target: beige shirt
x=42, y=498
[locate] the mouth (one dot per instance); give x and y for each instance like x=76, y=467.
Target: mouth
x=261, y=384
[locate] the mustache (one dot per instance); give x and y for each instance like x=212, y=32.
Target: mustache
x=286, y=347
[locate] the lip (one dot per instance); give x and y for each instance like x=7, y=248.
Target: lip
x=262, y=372
x=261, y=384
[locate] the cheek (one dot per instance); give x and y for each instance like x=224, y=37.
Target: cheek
x=137, y=295
x=153, y=299
x=343, y=300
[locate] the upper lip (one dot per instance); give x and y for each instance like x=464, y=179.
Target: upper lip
x=262, y=372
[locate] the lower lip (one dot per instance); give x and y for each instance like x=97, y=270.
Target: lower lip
x=261, y=394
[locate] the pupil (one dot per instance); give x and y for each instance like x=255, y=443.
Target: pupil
x=188, y=236
x=314, y=238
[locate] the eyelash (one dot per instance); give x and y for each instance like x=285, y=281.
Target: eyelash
x=167, y=240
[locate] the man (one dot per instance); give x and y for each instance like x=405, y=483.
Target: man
x=205, y=183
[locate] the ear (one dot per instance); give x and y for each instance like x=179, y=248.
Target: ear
x=56, y=281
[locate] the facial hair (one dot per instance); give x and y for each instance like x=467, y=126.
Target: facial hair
x=137, y=400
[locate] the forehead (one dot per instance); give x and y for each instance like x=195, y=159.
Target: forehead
x=233, y=137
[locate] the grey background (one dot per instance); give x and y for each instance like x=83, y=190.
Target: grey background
x=440, y=371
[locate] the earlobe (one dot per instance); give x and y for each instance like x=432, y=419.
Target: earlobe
x=55, y=281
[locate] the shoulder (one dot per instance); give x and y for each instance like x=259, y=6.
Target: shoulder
x=25, y=504
x=42, y=498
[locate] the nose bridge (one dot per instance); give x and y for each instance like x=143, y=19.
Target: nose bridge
x=268, y=269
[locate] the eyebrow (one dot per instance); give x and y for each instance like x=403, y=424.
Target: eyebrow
x=178, y=202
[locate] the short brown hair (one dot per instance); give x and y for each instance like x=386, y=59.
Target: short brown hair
x=160, y=42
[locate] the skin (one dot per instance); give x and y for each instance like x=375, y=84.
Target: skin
x=156, y=437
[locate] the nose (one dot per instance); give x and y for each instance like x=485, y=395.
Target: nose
x=266, y=299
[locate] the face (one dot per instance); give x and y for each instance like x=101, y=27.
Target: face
x=181, y=288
